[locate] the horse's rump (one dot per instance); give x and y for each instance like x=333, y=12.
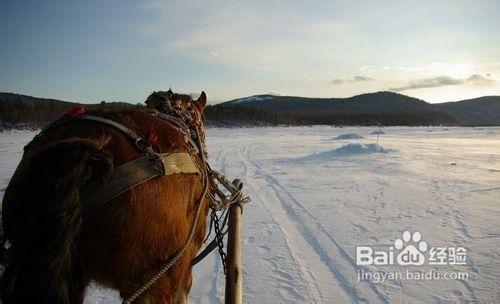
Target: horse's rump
x=55, y=252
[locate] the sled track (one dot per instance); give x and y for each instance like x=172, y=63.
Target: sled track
x=340, y=257
x=306, y=274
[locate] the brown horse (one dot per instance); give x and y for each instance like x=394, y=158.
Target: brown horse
x=54, y=252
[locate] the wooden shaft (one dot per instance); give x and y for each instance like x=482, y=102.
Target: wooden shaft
x=234, y=275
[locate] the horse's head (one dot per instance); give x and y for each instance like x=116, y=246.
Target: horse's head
x=182, y=106
x=169, y=102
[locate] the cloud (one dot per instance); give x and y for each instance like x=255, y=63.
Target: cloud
x=402, y=69
x=428, y=83
x=362, y=78
x=479, y=80
x=338, y=81
x=366, y=68
x=440, y=81
x=262, y=35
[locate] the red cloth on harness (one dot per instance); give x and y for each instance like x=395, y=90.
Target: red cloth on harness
x=73, y=113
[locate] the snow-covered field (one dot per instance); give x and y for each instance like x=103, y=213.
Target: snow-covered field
x=315, y=197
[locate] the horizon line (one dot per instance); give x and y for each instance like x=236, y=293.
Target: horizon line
x=270, y=94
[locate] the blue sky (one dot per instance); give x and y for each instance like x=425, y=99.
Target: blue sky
x=122, y=50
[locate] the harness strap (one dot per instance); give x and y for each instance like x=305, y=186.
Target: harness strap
x=209, y=248
x=190, y=237
x=180, y=126
x=133, y=173
x=142, y=169
x=78, y=113
x=177, y=121
x=114, y=124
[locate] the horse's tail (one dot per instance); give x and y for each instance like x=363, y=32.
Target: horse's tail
x=42, y=218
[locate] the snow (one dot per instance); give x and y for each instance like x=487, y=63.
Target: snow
x=345, y=150
x=11, y=146
x=349, y=136
x=251, y=99
x=382, y=132
x=306, y=218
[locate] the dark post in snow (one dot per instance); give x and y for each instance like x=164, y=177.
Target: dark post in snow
x=234, y=275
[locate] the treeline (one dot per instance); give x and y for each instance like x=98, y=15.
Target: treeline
x=22, y=112
x=19, y=113
x=235, y=115
x=238, y=115
x=374, y=118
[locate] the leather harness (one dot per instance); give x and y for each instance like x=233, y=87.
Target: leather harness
x=139, y=170
x=151, y=165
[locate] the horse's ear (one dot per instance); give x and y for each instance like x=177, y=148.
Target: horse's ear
x=201, y=102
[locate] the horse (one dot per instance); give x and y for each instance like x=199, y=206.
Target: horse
x=54, y=251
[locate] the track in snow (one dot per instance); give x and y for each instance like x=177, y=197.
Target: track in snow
x=306, y=237
x=300, y=230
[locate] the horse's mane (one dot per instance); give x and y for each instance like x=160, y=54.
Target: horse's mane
x=156, y=99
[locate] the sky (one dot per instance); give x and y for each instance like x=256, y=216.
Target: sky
x=112, y=50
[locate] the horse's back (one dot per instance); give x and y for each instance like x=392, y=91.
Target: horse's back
x=124, y=242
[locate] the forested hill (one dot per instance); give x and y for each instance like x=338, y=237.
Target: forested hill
x=22, y=111
x=380, y=101
x=382, y=108
x=474, y=112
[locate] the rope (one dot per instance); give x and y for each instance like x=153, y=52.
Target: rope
x=181, y=251
x=236, y=197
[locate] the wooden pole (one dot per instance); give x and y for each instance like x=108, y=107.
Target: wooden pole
x=234, y=275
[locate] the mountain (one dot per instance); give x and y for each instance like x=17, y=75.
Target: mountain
x=381, y=108
x=379, y=101
x=482, y=111
x=384, y=108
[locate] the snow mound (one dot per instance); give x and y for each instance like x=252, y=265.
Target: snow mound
x=349, y=136
x=379, y=132
x=358, y=148
x=345, y=150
